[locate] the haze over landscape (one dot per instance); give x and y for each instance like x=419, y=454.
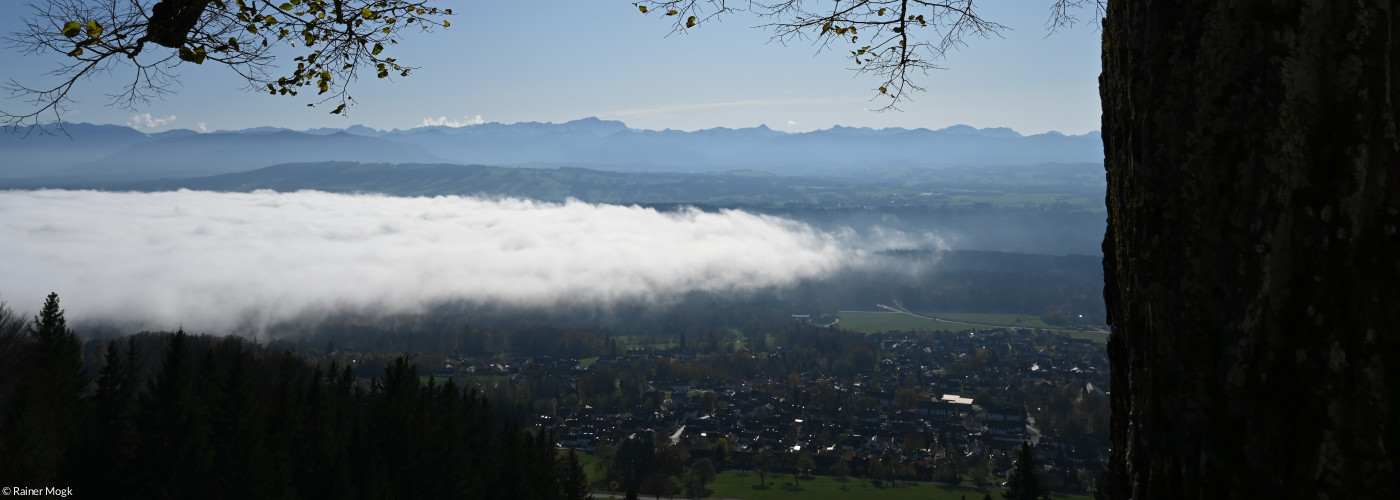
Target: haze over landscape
x=778, y=208
x=684, y=270
x=744, y=250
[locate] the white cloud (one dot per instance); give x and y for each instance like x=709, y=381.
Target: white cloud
x=222, y=262
x=443, y=121
x=203, y=127
x=146, y=121
x=791, y=123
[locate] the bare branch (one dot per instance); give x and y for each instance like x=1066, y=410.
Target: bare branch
x=897, y=41
x=340, y=37
x=1062, y=13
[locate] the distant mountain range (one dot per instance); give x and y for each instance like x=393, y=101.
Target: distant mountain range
x=117, y=153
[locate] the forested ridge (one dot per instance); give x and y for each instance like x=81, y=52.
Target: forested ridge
x=226, y=418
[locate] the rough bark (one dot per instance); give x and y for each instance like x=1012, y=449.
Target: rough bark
x=172, y=21
x=1251, y=258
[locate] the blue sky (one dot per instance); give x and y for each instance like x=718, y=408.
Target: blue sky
x=559, y=60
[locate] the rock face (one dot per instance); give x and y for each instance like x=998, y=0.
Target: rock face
x=1252, y=265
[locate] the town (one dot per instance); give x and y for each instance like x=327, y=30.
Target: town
x=916, y=406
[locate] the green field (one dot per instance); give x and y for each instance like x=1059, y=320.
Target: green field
x=1100, y=337
x=1011, y=320
x=880, y=321
x=586, y=460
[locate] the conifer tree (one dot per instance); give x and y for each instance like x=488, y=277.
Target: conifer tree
x=107, y=450
x=175, y=435
x=45, y=415
x=1024, y=485
x=573, y=481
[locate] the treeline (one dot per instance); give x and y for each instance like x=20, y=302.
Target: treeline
x=222, y=418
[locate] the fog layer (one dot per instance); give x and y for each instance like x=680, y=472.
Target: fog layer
x=221, y=262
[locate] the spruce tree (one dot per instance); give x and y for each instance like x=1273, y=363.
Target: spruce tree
x=41, y=425
x=573, y=480
x=1024, y=485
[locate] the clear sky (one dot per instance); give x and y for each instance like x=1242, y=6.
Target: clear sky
x=560, y=60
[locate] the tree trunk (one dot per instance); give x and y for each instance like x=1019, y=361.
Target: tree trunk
x=1251, y=261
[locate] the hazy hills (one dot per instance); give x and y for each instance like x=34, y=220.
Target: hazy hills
x=1071, y=183
x=109, y=152
x=987, y=189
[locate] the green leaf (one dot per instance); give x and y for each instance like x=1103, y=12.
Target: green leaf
x=642, y=8
x=72, y=28
x=338, y=109
x=366, y=13
x=195, y=55
x=884, y=90
x=286, y=6
x=377, y=49
x=94, y=30
x=76, y=52
x=690, y=23
x=672, y=12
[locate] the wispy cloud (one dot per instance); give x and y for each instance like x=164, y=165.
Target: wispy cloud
x=146, y=121
x=443, y=121
x=220, y=262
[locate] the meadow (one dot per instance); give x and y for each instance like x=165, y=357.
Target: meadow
x=882, y=321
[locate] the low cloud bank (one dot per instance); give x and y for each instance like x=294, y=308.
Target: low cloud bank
x=237, y=262
x=444, y=121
